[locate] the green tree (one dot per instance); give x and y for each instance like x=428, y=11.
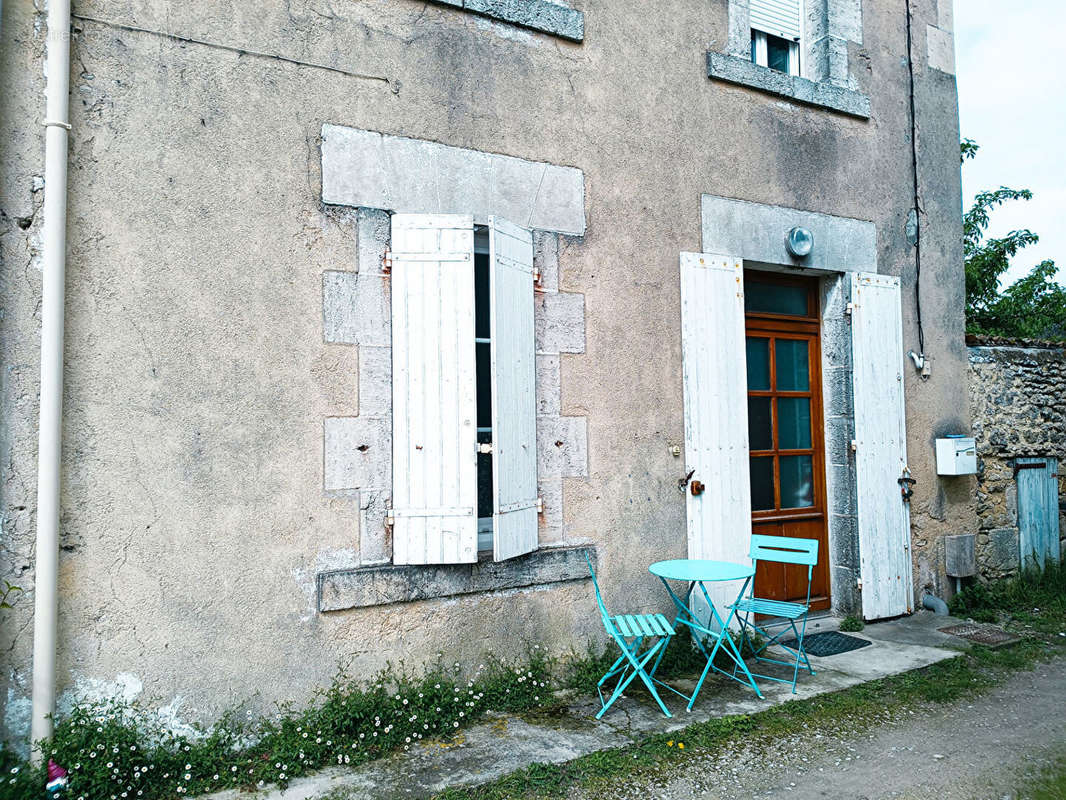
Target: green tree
x=1032, y=307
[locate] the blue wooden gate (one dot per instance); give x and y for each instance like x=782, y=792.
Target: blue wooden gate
x=1038, y=509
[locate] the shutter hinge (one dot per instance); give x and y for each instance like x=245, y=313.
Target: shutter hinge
x=536, y=277
x=854, y=446
x=390, y=520
x=858, y=583
x=484, y=447
x=386, y=262
x=849, y=309
x=540, y=504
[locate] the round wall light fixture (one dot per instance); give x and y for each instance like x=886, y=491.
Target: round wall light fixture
x=800, y=242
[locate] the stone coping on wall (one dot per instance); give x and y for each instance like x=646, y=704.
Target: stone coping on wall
x=742, y=72
x=341, y=590
x=538, y=15
x=981, y=340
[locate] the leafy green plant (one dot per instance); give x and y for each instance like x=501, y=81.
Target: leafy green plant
x=852, y=624
x=1033, y=306
x=1036, y=597
x=119, y=750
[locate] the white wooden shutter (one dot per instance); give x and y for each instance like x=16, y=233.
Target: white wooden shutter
x=777, y=17
x=715, y=386
x=881, y=450
x=434, y=403
x=514, y=411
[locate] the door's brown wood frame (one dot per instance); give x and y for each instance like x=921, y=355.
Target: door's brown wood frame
x=806, y=327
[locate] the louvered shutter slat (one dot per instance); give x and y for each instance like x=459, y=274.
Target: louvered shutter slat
x=434, y=385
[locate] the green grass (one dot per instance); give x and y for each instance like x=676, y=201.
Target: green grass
x=1048, y=784
x=1033, y=599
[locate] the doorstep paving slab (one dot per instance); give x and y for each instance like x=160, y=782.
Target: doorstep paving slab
x=502, y=744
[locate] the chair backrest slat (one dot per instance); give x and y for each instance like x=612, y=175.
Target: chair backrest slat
x=784, y=549
x=596, y=586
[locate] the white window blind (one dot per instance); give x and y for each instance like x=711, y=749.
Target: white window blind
x=514, y=412
x=434, y=434
x=777, y=17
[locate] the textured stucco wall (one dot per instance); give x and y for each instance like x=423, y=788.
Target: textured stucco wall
x=1016, y=398
x=198, y=371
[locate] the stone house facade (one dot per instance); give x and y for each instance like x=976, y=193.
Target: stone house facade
x=274, y=459
x=1019, y=417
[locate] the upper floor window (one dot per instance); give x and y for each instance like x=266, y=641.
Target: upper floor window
x=776, y=34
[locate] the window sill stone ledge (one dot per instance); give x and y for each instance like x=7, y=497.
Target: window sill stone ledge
x=537, y=15
x=740, y=71
x=341, y=590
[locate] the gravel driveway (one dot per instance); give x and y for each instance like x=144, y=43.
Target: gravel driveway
x=960, y=751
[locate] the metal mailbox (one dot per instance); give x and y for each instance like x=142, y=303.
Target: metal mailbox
x=956, y=455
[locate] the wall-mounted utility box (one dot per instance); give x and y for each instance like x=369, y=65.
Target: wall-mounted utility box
x=960, y=557
x=956, y=455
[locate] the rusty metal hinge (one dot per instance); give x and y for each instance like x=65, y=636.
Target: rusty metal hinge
x=386, y=262
x=540, y=504
x=849, y=309
x=536, y=277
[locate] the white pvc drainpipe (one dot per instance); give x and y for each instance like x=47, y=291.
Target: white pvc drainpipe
x=51, y=420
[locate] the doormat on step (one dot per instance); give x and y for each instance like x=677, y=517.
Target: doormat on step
x=829, y=643
x=988, y=635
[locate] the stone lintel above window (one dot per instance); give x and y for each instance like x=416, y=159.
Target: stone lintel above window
x=381, y=585
x=742, y=72
x=538, y=15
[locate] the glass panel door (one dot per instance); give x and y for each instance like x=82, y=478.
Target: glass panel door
x=785, y=432
x=780, y=433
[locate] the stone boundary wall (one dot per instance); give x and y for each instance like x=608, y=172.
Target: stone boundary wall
x=1018, y=402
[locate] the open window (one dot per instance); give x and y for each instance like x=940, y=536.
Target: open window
x=464, y=394
x=776, y=34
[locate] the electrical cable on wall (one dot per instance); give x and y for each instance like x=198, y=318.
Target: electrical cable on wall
x=919, y=357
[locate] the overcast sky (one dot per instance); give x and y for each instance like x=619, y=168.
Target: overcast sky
x=1012, y=102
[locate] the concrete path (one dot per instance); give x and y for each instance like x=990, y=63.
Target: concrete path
x=504, y=744
x=966, y=751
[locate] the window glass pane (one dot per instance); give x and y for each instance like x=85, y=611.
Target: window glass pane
x=793, y=424
x=793, y=372
x=797, y=482
x=484, y=479
x=484, y=385
x=758, y=364
x=760, y=434
x=762, y=483
x=777, y=53
x=771, y=298
x=481, y=295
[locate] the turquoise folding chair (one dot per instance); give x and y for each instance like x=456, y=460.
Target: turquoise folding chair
x=782, y=550
x=629, y=632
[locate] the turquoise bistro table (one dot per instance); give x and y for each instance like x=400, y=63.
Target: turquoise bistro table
x=697, y=572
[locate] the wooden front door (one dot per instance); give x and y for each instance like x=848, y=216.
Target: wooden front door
x=785, y=431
